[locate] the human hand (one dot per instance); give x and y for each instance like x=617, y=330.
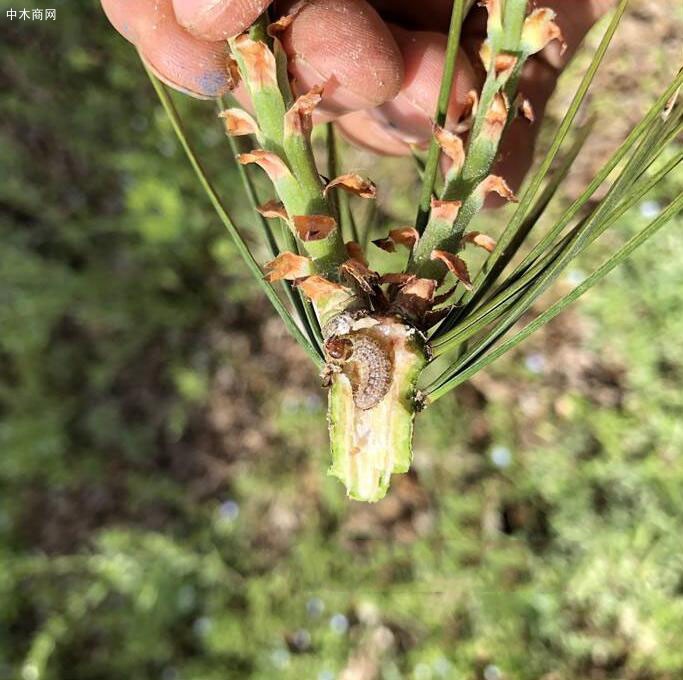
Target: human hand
x=380, y=60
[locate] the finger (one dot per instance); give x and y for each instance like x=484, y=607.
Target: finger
x=129, y=17
x=407, y=119
x=435, y=15
x=211, y=20
x=363, y=130
x=179, y=59
x=346, y=46
x=411, y=113
x=425, y=15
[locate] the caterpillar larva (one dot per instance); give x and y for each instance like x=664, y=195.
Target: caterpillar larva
x=368, y=363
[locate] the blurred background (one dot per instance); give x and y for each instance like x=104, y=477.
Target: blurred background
x=164, y=508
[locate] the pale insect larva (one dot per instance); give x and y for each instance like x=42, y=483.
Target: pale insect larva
x=367, y=362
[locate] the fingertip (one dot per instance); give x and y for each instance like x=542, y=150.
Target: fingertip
x=213, y=21
x=124, y=16
x=197, y=67
x=346, y=45
x=363, y=130
x=412, y=111
x=184, y=62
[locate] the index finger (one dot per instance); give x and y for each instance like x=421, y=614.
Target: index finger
x=211, y=20
x=186, y=63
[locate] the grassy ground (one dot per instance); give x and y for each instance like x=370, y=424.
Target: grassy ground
x=164, y=510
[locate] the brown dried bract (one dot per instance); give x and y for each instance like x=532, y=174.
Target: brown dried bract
x=288, y=266
x=314, y=227
x=385, y=244
x=354, y=184
x=481, y=240
x=471, y=104
x=455, y=265
x=496, y=117
x=317, y=287
x=422, y=288
x=273, y=210
x=259, y=62
x=233, y=71
x=540, y=29
x=238, y=122
x=299, y=118
x=469, y=111
x=452, y=146
x=397, y=278
x=405, y=236
x=445, y=211
x=496, y=184
x=284, y=22
x=360, y=274
x=280, y=26
x=415, y=299
x=270, y=162
x=401, y=236
x=434, y=316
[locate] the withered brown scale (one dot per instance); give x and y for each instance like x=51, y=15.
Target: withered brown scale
x=368, y=362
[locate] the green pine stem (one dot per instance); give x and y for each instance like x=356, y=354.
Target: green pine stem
x=447, y=81
x=240, y=244
x=486, y=275
x=302, y=191
x=481, y=151
x=302, y=307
